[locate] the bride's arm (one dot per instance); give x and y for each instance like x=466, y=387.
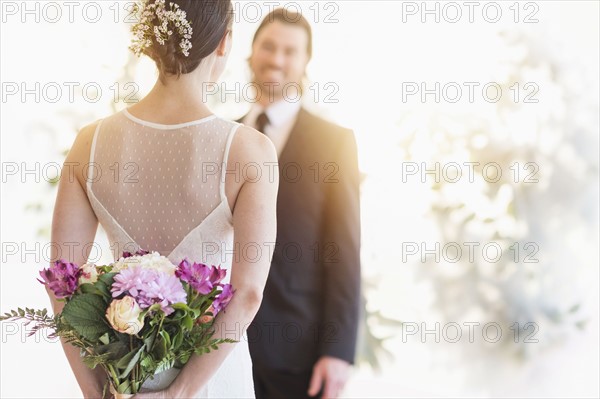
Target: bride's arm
x=254, y=221
x=91, y=382
x=74, y=225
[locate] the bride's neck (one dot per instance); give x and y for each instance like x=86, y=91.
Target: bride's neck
x=185, y=94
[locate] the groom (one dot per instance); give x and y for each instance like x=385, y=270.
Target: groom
x=303, y=339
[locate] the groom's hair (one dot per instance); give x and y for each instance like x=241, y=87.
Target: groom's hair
x=290, y=18
x=210, y=20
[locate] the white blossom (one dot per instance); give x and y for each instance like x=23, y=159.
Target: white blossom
x=158, y=22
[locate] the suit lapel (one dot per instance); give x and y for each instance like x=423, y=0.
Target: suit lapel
x=293, y=146
x=292, y=149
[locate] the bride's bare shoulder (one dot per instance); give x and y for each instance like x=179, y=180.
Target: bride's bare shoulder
x=83, y=142
x=78, y=156
x=249, y=145
x=251, y=155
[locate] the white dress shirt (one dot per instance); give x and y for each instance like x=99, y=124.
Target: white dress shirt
x=282, y=116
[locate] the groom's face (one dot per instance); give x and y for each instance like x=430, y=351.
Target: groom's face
x=279, y=56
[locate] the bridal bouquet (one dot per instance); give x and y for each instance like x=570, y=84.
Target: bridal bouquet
x=135, y=317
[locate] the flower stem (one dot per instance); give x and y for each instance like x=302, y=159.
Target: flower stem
x=132, y=375
x=114, y=376
x=157, y=332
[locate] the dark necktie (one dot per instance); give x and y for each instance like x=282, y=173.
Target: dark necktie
x=261, y=122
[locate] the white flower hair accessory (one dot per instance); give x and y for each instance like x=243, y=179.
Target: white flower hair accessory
x=158, y=22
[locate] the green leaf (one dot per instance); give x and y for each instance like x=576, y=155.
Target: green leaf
x=93, y=361
x=177, y=340
x=132, y=361
x=85, y=313
x=105, y=339
x=148, y=364
x=160, y=346
x=107, y=278
x=149, y=339
x=88, y=288
x=114, y=350
x=159, y=350
x=124, y=361
x=165, y=364
x=155, y=307
x=176, y=316
x=187, y=322
x=105, y=291
x=183, y=359
x=124, y=387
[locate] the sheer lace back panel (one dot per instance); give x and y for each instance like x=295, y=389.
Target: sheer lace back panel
x=152, y=186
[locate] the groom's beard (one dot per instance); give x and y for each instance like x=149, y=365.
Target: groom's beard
x=268, y=91
x=274, y=91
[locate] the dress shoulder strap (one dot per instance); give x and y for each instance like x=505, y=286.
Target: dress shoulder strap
x=232, y=131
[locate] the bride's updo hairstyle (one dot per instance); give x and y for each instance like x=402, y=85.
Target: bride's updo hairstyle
x=163, y=32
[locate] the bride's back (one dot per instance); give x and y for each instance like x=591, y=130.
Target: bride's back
x=158, y=182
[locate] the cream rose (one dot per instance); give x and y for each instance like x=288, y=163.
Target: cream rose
x=153, y=260
x=124, y=315
x=89, y=274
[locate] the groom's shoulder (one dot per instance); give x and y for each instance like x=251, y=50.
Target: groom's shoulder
x=324, y=127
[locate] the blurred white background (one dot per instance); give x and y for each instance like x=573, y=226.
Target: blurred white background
x=369, y=52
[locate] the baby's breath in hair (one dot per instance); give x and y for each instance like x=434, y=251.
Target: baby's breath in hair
x=158, y=22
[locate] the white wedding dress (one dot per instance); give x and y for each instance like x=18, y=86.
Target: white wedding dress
x=162, y=188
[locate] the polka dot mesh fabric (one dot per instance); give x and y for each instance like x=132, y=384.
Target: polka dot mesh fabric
x=159, y=182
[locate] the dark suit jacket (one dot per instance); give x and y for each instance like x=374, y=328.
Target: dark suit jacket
x=311, y=301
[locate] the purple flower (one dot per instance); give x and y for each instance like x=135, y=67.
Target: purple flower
x=166, y=290
x=149, y=286
x=223, y=299
x=197, y=275
x=132, y=280
x=140, y=252
x=61, y=277
x=217, y=275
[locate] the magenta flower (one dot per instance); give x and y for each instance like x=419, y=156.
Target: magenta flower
x=61, y=277
x=149, y=286
x=197, y=275
x=217, y=275
x=223, y=299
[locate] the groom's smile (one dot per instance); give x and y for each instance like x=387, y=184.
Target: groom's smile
x=279, y=57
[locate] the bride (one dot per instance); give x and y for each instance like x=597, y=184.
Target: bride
x=163, y=175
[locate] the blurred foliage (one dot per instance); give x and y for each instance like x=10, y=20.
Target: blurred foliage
x=371, y=349
x=541, y=218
